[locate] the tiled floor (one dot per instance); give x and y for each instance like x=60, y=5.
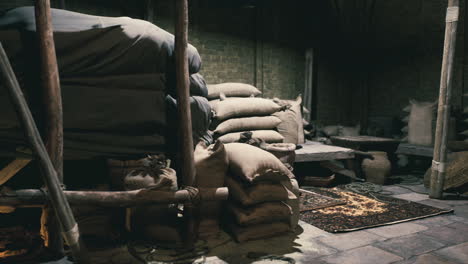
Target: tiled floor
x=439, y=239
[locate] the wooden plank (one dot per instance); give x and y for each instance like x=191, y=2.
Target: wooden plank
x=11, y=169
x=319, y=152
x=415, y=150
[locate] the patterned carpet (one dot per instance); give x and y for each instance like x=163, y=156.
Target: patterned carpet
x=364, y=211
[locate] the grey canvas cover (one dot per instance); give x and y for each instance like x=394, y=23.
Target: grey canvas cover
x=115, y=74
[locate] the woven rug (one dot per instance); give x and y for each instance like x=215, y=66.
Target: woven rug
x=365, y=211
x=310, y=200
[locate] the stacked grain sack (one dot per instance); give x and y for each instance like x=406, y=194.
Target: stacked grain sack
x=156, y=223
x=237, y=110
x=419, y=121
x=263, y=194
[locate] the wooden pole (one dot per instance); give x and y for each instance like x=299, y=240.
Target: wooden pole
x=52, y=101
x=443, y=111
x=54, y=189
x=186, y=165
x=34, y=198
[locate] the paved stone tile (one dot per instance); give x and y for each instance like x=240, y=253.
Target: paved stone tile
x=395, y=189
x=456, y=218
x=458, y=253
x=311, y=231
x=427, y=259
x=436, y=203
x=415, y=197
x=397, y=230
x=435, y=221
x=363, y=255
x=415, y=188
x=461, y=227
x=449, y=234
x=461, y=211
x=411, y=245
x=350, y=240
x=310, y=249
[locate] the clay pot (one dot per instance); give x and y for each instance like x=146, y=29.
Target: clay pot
x=378, y=169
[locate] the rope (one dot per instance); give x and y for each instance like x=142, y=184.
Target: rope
x=194, y=195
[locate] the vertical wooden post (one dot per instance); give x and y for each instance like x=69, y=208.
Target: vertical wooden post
x=52, y=101
x=443, y=111
x=187, y=166
x=61, y=4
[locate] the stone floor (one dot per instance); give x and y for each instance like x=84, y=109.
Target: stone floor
x=439, y=239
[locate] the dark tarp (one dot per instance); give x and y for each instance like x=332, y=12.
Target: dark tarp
x=114, y=73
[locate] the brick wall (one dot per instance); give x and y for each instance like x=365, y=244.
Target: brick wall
x=360, y=78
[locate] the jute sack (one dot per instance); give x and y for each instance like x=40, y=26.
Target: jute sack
x=242, y=234
x=260, y=214
x=269, y=136
x=215, y=102
x=420, y=123
x=247, y=123
x=211, y=164
x=254, y=194
x=291, y=126
x=243, y=107
x=231, y=90
x=252, y=165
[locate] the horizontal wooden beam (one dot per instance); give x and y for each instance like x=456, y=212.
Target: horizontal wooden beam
x=11, y=169
x=34, y=197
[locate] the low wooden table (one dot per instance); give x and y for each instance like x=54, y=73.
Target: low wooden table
x=315, y=151
x=367, y=143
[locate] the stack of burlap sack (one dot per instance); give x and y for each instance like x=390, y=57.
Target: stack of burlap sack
x=156, y=223
x=237, y=110
x=263, y=194
x=420, y=123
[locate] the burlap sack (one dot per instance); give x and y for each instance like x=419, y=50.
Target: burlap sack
x=252, y=165
x=350, y=131
x=268, y=136
x=232, y=90
x=260, y=214
x=254, y=194
x=247, y=123
x=242, y=234
x=291, y=126
x=243, y=107
x=211, y=164
x=420, y=123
